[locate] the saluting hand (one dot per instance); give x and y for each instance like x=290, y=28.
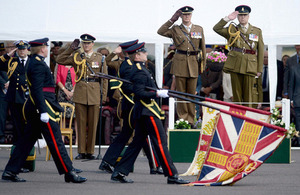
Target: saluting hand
x=11, y=53
x=75, y=44
x=233, y=15
x=118, y=50
x=176, y=16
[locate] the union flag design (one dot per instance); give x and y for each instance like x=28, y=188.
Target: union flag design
x=208, y=123
x=239, y=146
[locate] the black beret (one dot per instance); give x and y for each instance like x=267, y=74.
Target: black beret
x=243, y=9
x=39, y=42
x=87, y=38
x=128, y=44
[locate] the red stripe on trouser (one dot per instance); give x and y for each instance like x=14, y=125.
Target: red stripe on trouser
x=152, y=152
x=56, y=148
x=160, y=146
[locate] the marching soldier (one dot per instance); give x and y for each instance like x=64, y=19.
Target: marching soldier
x=115, y=149
x=87, y=91
x=17, y=91
x=41, y=110
x=245, y=60
x=189, y=41
x=147, y=119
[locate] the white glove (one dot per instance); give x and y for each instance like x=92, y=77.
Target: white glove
x=44, y=117
x=162, y=93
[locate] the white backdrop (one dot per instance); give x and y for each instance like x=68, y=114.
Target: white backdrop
x=123, y=20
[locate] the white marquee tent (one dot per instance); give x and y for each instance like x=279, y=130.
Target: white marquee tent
x=118, y=21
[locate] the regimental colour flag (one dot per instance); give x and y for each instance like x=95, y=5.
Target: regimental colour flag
x=208, y=122
x=239, y=146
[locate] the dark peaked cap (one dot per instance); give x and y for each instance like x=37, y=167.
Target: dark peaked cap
x=136, y=48
x=128, y=44
x=39, y=42
x=243, y=9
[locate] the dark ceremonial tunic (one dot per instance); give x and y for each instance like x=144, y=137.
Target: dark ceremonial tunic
x=42, y=100
x=146, y=123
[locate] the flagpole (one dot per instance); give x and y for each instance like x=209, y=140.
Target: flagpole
x=102, y=75
x=172, y=93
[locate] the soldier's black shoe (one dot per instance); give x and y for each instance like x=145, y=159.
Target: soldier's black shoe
x=104, y=166
x=152, y=171
x=80, y=156
x=9, y=176
x=158, y=170
x=176, y=180
x=74, y=178
x=90, y=157
x=119, y=177
x=23, y=170
x=76, y=170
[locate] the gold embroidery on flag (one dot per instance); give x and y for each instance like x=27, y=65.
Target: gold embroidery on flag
x=247, y=140
x=217, y=158
x=237, y=163
x=225, y=176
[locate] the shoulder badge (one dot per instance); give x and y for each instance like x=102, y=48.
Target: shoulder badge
x=138, y=66
x=129, y=62
x=2, y=58
x=37, y=58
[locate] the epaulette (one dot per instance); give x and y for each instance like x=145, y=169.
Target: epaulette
x=38, y=58
x=3, y=58
x=138, y=66
x=254, y=27
x=129, y=62
x=97, y=54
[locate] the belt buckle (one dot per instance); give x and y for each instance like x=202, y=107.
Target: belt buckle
x=188, y=53
x=243, y=50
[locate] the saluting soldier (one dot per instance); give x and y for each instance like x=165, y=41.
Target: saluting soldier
x=41, y=110
x=115, y=149
x=17, y=91
x=246, y=55
x=147, y=117
x=189, y=41
x=87, y=91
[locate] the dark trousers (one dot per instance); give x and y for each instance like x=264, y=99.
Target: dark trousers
x=32, y=131
x=115, y=149
x=18, y=120
x=297, y=120
x=153, y=126
x=3, y=113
